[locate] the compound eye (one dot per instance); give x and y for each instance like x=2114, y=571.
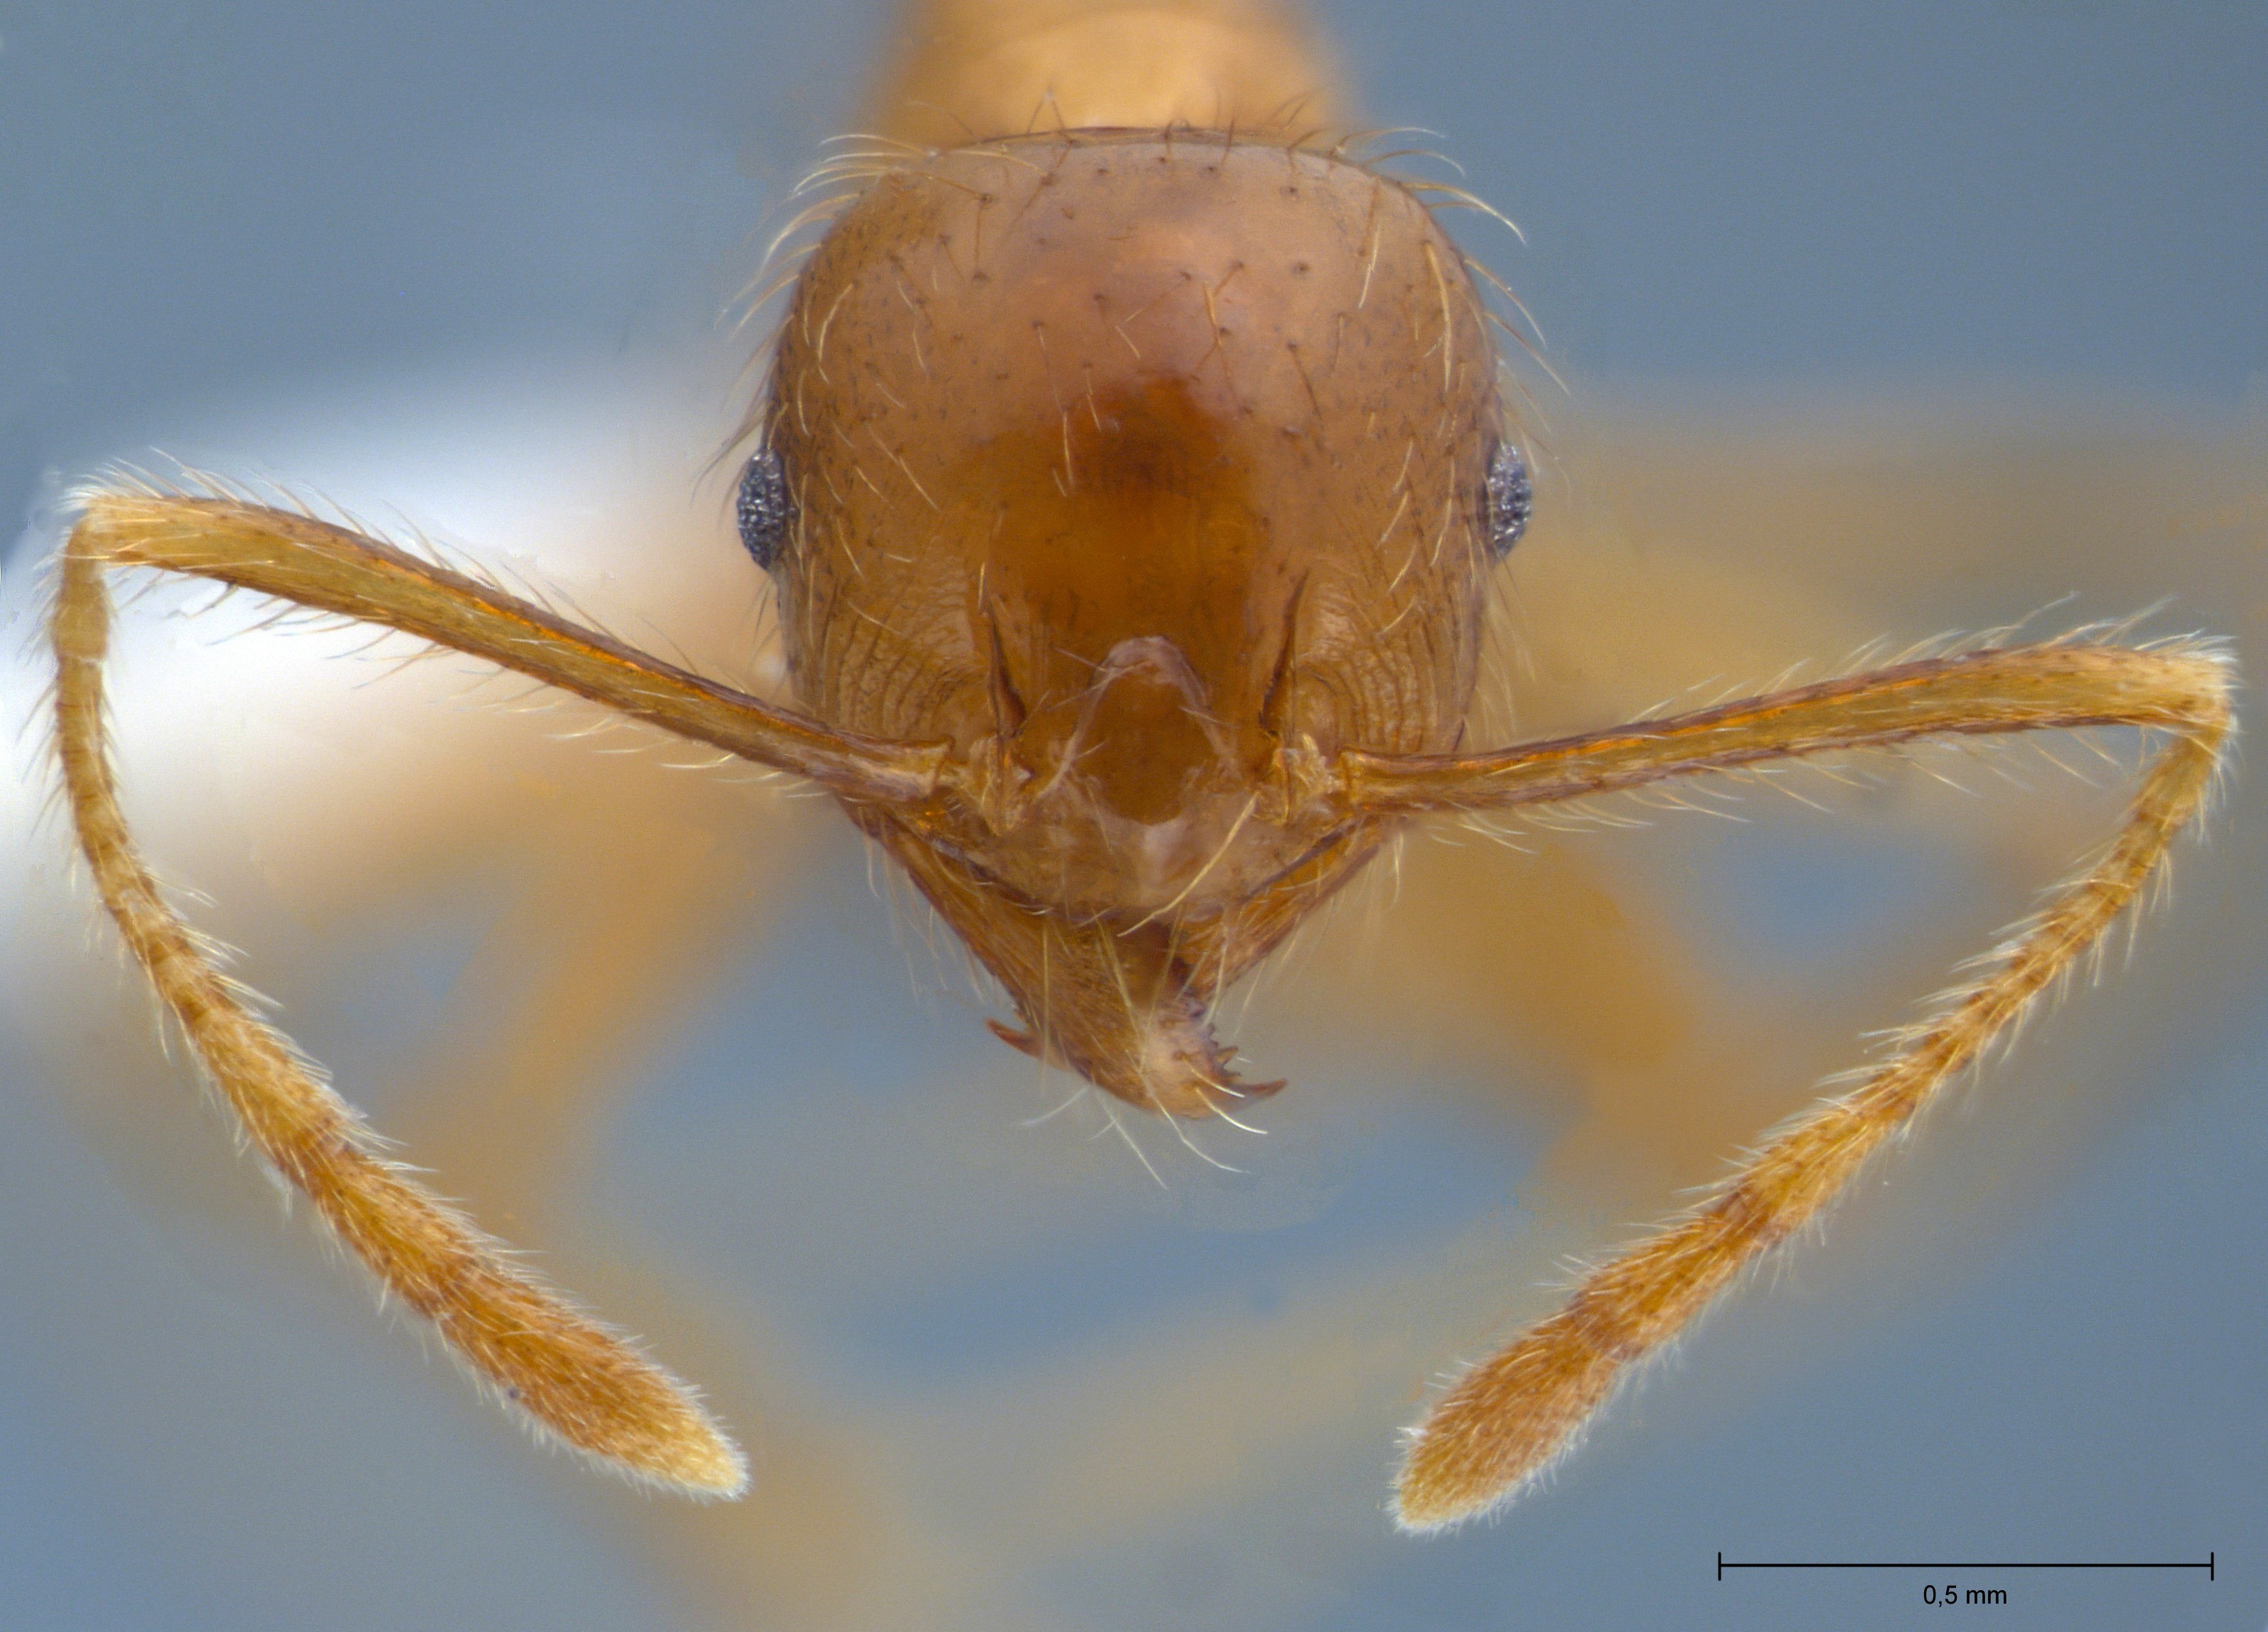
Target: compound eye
x=764, y=509
x=1511, y=499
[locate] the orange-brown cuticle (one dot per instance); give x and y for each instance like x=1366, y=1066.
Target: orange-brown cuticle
x=1152, y=465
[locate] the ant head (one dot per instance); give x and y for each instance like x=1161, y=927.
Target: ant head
x=1151, y=458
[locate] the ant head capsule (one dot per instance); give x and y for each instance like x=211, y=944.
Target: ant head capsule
x=1150, y=461
x=1139, y=477
x=764, y=509
x=1508, y=500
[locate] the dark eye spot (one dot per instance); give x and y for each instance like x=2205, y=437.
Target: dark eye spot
x=764, y=509
x=1510, y=499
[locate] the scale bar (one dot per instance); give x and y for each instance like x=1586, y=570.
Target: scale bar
x=2206, y=1563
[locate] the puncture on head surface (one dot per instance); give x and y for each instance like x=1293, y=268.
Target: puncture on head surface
x=1130, y=489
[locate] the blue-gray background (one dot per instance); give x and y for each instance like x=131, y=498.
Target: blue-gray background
x=2059, y=201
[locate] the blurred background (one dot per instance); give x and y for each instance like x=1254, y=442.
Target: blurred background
x=1874, y=324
